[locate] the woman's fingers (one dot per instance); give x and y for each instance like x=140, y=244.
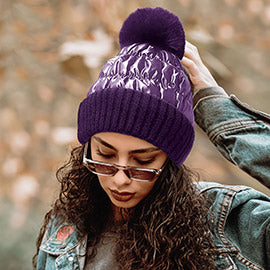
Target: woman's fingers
x=190, y=66
x=192, y=52
x=198, y=72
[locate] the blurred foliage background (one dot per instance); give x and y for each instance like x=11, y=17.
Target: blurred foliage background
x=52, y=51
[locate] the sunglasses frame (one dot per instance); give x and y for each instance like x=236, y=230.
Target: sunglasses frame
x=86, y=162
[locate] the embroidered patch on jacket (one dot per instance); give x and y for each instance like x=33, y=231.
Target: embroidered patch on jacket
x=64, y=232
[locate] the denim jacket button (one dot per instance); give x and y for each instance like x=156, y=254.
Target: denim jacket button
x=70, y=259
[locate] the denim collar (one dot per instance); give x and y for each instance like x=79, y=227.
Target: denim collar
x=65, y=238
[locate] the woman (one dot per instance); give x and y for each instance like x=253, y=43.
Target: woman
x=127, y=201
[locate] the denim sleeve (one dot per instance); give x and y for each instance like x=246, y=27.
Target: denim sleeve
x=240, y=133
x=248, y=226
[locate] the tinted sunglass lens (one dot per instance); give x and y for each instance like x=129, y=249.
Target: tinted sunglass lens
x=141, y=175
x=104, y=169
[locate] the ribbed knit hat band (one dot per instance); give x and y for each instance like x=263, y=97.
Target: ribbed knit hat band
x=143, y=91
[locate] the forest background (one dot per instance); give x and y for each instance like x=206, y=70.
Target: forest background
x=50, y=54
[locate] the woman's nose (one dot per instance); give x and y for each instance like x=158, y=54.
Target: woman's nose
x=121, y=178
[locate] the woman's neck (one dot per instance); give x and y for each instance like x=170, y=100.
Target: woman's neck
x=119, y=214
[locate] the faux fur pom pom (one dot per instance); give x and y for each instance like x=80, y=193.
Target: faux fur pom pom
x=155, y=26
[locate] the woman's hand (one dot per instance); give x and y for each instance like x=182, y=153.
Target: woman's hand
x=198, y=72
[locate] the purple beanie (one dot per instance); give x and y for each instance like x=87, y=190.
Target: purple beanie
x=143, y=91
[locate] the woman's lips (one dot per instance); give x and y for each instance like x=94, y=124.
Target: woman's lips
x=121, y=196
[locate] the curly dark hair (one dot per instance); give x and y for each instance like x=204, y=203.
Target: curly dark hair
x=169, y=229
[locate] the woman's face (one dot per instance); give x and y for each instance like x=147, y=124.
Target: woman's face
x=125, y=150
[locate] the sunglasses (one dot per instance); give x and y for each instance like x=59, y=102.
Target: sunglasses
x=109, y=169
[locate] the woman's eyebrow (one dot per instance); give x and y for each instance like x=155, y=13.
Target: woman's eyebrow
x=144, y=150
x=104, y=143
x=137, y=151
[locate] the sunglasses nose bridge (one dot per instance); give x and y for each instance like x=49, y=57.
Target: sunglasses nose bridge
x=122, y=168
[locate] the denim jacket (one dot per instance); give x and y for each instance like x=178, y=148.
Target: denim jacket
x=242, y=224
x=239, y=132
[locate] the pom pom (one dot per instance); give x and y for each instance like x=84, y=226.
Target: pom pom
x=155, y=26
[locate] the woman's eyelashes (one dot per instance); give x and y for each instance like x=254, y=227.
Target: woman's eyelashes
x=137, y=160
x=107, y=156
x=145, y=162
